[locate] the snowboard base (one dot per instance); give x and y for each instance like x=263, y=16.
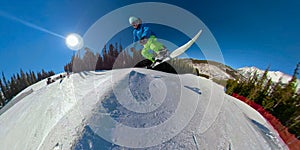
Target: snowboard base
x=162, y=66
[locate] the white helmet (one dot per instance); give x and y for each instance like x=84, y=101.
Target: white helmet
x=134, y=19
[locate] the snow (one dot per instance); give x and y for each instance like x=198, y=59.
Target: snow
x=273, y=75
x=133, y=108
x=212, y=71
x=27, y=91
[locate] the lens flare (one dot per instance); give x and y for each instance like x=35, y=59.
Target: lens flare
x=74, y=41
x=28, y=24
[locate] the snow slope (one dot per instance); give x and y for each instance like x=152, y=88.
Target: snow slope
x=134, y=108
x=213, y=71
x=27, y=91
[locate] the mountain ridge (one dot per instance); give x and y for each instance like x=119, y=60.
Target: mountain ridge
x=275, y=76
x=210, y=68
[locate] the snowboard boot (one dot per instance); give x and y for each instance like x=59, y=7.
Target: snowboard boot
x=162, y=54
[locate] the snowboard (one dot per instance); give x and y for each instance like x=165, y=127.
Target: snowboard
x=180, y=50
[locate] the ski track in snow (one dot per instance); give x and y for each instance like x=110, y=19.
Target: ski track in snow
x=101, y=110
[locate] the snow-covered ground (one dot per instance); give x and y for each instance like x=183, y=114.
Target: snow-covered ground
x=29, y=90
x=133, y=108
x=212, y=71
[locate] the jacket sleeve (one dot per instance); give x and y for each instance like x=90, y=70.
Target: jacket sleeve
x=146, y=33
x=135, y=39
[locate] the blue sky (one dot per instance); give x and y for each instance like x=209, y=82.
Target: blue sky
x=249, y=32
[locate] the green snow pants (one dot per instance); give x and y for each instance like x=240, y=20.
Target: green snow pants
x=152, y=44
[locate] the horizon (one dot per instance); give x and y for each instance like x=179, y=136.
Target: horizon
x=32, y=33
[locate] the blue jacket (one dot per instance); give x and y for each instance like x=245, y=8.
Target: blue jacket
x=142, y=32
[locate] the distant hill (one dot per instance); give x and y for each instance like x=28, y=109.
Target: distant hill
x=220, y=72
x=275, y=76
x=214, y=70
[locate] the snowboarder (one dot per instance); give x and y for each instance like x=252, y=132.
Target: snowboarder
x=152, y=49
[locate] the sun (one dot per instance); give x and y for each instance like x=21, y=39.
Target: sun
x=74, y=41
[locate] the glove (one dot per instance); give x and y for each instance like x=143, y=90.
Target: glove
x=143, y=41
x=132, y=49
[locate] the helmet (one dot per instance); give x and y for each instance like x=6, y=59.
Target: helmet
x=134, y=19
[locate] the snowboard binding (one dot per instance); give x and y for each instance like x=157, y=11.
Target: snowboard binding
x=162, y=54
x=160, y=57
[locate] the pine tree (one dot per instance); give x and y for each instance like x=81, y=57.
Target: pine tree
x=2, y=87
x=294, y=123
x=105, y=58
x=33, y=77
x=5, y=88
x=89, y=60
x=39, y=76
x=292, y=85
x=111, y=58
x=289, y=90
x=50, y=73
x=13, y=87
x=2, y=97
x=264, y=78
x=44, y=74
x=267, y=103
x=258, y=92
x=116, y=52
x=68, y=67
x=19, y=83
x=2, y=100
x=77, y=64
x=120, y=48
x=276, y=93
x=250, y=89
x=30, y=82
x=285, y=97
x=292, y=101
x=24, y=81
x=99, y=64
x=231, y=86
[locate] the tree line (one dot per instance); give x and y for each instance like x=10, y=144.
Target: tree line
x=115, y=57
x=18, y=82
x=281, y=100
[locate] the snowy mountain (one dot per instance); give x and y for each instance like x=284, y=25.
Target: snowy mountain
x=273, y=75
x=220, y=71
x=133, y=108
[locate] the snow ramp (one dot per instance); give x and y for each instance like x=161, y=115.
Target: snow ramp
x=134, y=108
